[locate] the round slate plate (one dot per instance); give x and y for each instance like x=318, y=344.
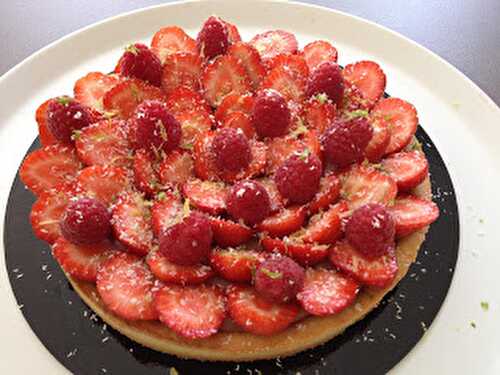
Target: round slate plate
x=83, y=343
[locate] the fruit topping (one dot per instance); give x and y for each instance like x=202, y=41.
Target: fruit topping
x=236, y=265
x=275, y=42
x=270, y=115
x=368, y=78
x=65, y=115
x=408, y=169
x=213, y=38
x=318, y=52
x=327, y=79
x=231, y=150
x=411, y=214
x=229, y=233
x=249, y=201
x=138, y=61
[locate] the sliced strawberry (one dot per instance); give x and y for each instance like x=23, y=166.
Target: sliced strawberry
x=193, y=123
x=181, y=70
x=240, y=120
x=169, y=272
x=327, y=292
x=253, y=313
x=166, y=211
x=319, y=113
x=193, y=312
x=223, y=76
x=132, y=223
x=183, y=99
x=274, y=195
x=172, y=39
x=104, y=143
x=368, y=77
x=125, y=96
x=90, y=89
x=287, y=82
x=234, y=103
x=232, y=32
x=325, y=227
x=408, y=169
x=49, y=166
x=204, y=163
x=329, y=192
x=248, y=56
x=272, y=43
x=229, y=233
x=81, y=261
x=103, y=183
x=401, y=118
x=286, y=221
x=176, y=169
x=236, y=265
x=411, y=214
x=207, y=196
x=126, y=286
x=305, y=254
x=364, y=184
x=295, y=64
x=44, y=133
x=318, y=52
x=279, y=149
x=375, y=272
x=379, y=142
x=146, y=177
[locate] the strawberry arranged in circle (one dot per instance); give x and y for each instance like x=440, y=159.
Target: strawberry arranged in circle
x=275, y=199
x=239, y=120
x=328, y=193
x=304, y=253
x=275, y=42
x=368, y=77
x=381, y=137
x=166, y=211
x=176, y=169
x=325, y=227
x=146, y=176
x=319, y=113
x=317, y=52
x=290, y=83
x=284, y=222
x=412, y=213
x=207, y=196
x=234, y=103
x=172, y=39
x=250, y=59
x=181, y=70
x=230, y=233
x=91, y=88
x=44, y=133
x=408, y=169
x=105, y=183
x=138, y=61
x=194, y=123
x=236, y=265
x=280, y=149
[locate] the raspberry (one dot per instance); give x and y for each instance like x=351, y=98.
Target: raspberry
x=279, y=279
x=231, y=149
x=271, y=115
x=85, y=221
x=213, y=39
x=155, y=127
x=248, y=200
x=65, y=115
x=188, y=242
x=140, y=62
x=344, y=142
x=327, y=79
x=371, y=230
x=298, y=177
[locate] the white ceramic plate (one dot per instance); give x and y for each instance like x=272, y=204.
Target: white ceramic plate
x=461, y=120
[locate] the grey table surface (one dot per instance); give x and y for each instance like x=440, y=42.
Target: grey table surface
x=464, y=32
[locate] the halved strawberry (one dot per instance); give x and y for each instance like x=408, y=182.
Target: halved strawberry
x=131, y=223
x=176, y=169
x=295, y=64
x=329, y=192
x=408, y=169
x=327, y=292
x=253, y=313
x=240, y=120
x=229, y=233
x=125, y=96
x=272, y=43
x=193, y=312
x=169, y=272
x=223, y=76
x=81, y=261
x=376, y=272
x=103, y=183
x=181, y=70
x=401, y=118
x=368, y=77
x=325, y=227
x=365, y=184
x=183, y=99
x=207, y=196
x=318, y=52
x=305, y=254
x=236, y=265
x=319, y=113
x=381, y=137
x=166, y=211
x=250, y=59
x=44, y=133
x=49, y=166
x=287, y=82
x=232, y=32
x=104, y=143
x=274, y=195
x=234, y=103
x=90, y=89
x=193, y=123
x=204, y=160
x=411, y=214
x=146, y=177
x=172, y=39
x=279, y=149
x=126, y=286
x=286, y=221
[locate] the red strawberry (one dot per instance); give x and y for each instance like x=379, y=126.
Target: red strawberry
x=223, y=76
x=126, y=286
x=181, y=70
x=132, y=223
x=319, y=113
x=167, y=210
x=207, y=196
x=274, y=195
x=104, y=183
x=81, y=261
x=193, y=123
x=272, y=43
x=90, y=89
x=240, y=120
x=146, y=177
x=368, y=77
x=250, y=59
x=176, y=169
x=286, y=221
x=411, y=214
x=234, y=103
x=236, y=264
x=408, y=169
x=376, y=272
x=44, y=133
x=172, y=39
x=204, y=163
x=183, y=99
x=253, y=313
x=232, y=33
x=287, y=82
x=295, y=64
x=381, y=137
x=229, y=233
x=104, y=143
x=125, y=96
x=318, y=52
x=363, y=184
x=193, y=312
x=401, y=118
x=49, y=166
x=170, y=272
x=329, y=192
x=327, y=292
x=280, y=149
x=305, y=254
x=325, y=228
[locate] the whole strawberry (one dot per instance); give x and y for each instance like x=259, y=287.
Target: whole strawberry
x=139, y=61
x=213, y=38
x=65, y=115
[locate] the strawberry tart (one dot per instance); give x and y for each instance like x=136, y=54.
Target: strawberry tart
x=231, y=200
